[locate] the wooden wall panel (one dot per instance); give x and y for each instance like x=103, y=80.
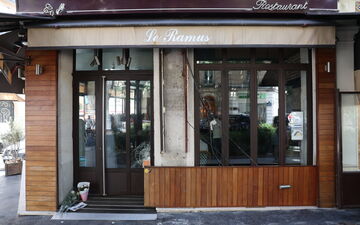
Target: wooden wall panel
x=230, y=186
x=41, y=132
x=326, y=125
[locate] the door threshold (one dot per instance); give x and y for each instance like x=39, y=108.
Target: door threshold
x=105, y=216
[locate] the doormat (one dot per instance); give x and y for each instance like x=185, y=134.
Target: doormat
x=105, y=216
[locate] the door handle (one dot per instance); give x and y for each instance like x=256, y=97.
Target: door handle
x=285, y=186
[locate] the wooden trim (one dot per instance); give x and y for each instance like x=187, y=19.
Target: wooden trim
x=41, y=143
x=326, y=125
x=230, y=186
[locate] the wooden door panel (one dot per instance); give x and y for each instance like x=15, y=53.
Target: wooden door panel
x=116, y=183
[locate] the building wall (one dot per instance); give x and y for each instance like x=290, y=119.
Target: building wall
x=65, y=141
x=346, y=5
x=41, y=132
x=174, y=150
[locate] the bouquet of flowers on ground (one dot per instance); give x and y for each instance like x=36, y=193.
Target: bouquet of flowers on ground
x=71, y=198
x=83, y=188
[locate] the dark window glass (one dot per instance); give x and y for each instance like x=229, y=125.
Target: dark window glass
x=210, y=118
x=238, y=55
x=296, y=117
x=268, y=116
x=267, y=55
x=208, y=56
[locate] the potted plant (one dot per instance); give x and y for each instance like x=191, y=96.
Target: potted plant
x=11, y=157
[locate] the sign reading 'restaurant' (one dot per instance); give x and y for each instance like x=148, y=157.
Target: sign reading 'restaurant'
x=72, y=7
x=264, y=5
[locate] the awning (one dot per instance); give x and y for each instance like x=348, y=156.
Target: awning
x=182, y=36
x=10, y=22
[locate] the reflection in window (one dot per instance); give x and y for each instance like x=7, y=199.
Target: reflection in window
x=210, y=119
x=87, y=124
x=297, y=55
x=268, y=116
x=140, y=123
x=115, y=124
x=239, y=117
x=296, y=119
x=85, y=59
x=114, y=59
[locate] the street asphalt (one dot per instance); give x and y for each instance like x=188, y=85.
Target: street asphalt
x=9, y=192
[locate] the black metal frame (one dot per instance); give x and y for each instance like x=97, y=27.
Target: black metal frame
x=252, y=67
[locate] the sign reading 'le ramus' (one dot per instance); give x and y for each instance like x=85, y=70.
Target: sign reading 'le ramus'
x=173, y=36
x=75, y=7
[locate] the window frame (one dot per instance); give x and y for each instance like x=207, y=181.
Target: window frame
x=253, y=67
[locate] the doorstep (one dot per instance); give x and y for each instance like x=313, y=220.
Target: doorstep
x=111, y=208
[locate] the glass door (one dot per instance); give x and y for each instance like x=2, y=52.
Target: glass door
x=349, y=154
x=128, y=132
x=113, y=123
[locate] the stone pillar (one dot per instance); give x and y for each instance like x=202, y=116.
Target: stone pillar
x=345, y=58
x=175, y=142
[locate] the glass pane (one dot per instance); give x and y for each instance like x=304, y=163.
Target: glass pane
x=350, y=123
x=268, y=116
x=296, y=114
x=208, y=56
x=238, y=55
x=296, y=55
x=85, y=59
x=239, y=117
x=87, y=124
x=115, y=124
x=140, y=123
x=210, y=117
x=267, y=55
x=113, y=59
x=141, y=59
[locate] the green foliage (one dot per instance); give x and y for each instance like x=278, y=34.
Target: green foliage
x=267, y=137
x=13, y=137
x=71, y=198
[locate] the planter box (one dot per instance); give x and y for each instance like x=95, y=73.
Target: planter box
x=13, y=168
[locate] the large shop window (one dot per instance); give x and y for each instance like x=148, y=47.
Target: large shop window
x=254, y=106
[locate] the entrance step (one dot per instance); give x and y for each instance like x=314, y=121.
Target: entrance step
x=111, y=208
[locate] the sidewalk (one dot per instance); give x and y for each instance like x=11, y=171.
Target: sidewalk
x=9, y=192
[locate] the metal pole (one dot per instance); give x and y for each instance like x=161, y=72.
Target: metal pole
x=103, y=135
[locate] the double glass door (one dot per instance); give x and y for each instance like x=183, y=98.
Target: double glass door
x=113, y=123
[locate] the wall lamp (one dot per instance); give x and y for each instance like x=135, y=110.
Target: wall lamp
x=38, y=69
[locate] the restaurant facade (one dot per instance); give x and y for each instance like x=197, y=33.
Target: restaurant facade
x=192, y=105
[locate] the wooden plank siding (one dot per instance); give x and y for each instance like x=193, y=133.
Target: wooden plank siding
x=230, y=186
x=41, y=132
x=326, y=125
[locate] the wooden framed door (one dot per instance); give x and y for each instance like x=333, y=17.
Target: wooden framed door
x=113, y=130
